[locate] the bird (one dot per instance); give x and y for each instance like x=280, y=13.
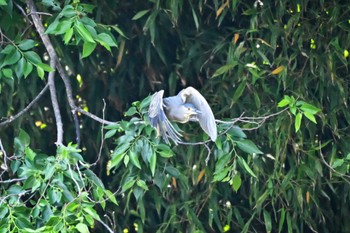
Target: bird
x=187, y=105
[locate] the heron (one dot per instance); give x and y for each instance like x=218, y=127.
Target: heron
x=187, y=105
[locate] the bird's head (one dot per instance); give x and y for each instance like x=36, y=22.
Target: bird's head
x=188, y=111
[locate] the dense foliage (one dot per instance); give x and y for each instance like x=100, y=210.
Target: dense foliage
x=82, y=156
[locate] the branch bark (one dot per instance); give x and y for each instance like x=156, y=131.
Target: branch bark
x=23, y=111
x=53, y=58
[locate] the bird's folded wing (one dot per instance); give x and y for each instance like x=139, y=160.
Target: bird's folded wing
x=159, y=120
x=205, y=117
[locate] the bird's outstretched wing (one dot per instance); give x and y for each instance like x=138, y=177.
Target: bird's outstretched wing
x=159, y=120
x=205, y=117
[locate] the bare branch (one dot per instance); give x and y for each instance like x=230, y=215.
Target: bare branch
x=94, y=117
x=12, y=118
x=331, y=168
x=53, y=57
x=55, y=106
x=4, y=166
x=12, y=180
x=105, y=225
x=102, y=136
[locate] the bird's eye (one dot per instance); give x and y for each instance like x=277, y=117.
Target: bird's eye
x=188, y=109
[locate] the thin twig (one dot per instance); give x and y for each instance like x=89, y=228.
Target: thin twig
x=40, y=13
x=102, y=135
x=69, y=93
x=12, y=180
x=105, y=225
x=94, y=117
x=74, y=180
x=331, y=168
x=12, y=118
x=55, y=106
x=5, y=158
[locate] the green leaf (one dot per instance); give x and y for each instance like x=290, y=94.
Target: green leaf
x=164, y=151
x=172, y=171
x=117, y=29
x=87, y=7
x=297, y=123
x=126, y=160
x=68, y=11
x=83, y=32
x=27, y=69
x=142, y=184
x=248, y=146
x=30, y=154
x=131, y=111
x=153, y=163
x=7, y=73
x=245, y=166
x=222, y=162
x=267, y=220
x=45, y=67
x=20, y=67
x=239, y=91
x=63, y=26
x=128, y=184
x=110, y=133
x=195, y=18
x=68, y=35
x=3, y=3
x=88, y=48
x=293, y=109
x=310, y=116
x=289, y=223
x=11, y=58
x=24, y=138
x=82, y=228
x=283, y=103
x=8, y=49
x=309, y=108
x=33, y=57
x=236, y=182
x=140, y=14
x=237, y=132
x=110, y=196
x=337, y=163
x=224, y=69
x=40, y=72
x=107, y=39
x=219, y=175
x=116, y=159
x=90, y=211
x=26, y=44
x=281, y=221
x=134, y=159
x=52, y=27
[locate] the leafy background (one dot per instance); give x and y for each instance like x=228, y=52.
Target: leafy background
x=269, y=69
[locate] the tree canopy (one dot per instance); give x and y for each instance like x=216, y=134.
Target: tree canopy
x=78, y=153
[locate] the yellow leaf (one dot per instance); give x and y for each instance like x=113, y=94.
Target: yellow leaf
x=307, y=197
x=173, y=182
x=38, y=123
x=221, y=8
x=200, y=176
x=264, y=42
x=278, y=70
x=235, y=38
x=120, y=53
